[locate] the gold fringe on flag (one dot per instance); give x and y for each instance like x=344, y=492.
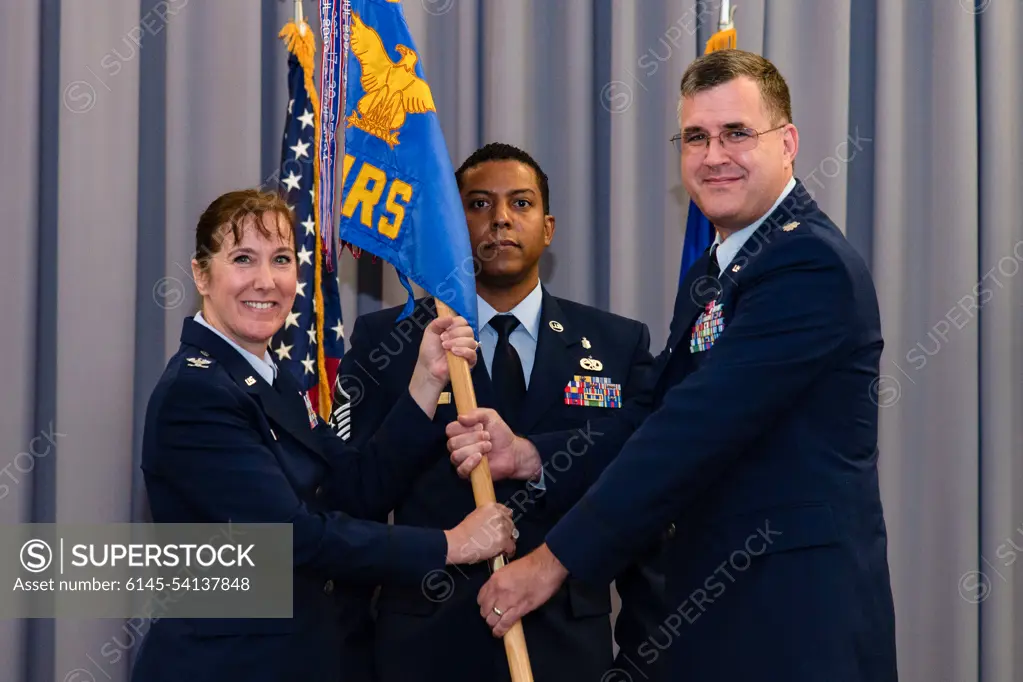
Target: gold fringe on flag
x=301, y=42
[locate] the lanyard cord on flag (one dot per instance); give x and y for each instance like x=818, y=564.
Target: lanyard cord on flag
x=334, y=29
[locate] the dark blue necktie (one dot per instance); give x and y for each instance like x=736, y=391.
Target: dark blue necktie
x=713, y=269
x=506, y=370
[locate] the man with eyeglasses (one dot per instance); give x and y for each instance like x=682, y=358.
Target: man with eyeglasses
x=760, y=452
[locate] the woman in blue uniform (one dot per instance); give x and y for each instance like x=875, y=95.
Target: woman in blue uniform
x=228, y=437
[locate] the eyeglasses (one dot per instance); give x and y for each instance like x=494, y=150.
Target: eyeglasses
x=733, y=139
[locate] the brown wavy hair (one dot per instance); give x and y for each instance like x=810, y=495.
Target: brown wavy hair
x=231, y=210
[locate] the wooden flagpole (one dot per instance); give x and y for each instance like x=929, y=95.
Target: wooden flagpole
x=483, y=493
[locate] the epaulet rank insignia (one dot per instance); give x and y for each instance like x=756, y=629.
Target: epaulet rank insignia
x=199, y=363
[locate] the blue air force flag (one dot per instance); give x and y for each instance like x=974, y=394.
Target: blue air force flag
x=399, y=196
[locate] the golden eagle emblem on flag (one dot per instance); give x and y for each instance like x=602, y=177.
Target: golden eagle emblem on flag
x=392, y=88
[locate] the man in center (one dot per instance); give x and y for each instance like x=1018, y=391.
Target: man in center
x=548, y=364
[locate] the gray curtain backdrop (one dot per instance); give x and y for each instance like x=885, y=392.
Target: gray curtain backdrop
x=121, y=119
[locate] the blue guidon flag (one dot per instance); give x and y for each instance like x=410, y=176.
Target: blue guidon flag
x=399, y=199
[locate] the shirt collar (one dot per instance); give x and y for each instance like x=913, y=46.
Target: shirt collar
x=735, y=241
x=527, y=311
x=264, y=366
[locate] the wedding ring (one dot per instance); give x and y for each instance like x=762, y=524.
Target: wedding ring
x=498, y=611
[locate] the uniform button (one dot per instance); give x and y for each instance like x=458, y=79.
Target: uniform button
x=328, y=587
x=670, y=533
x=319, y=491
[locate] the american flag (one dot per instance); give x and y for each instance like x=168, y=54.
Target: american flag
x=311, y=343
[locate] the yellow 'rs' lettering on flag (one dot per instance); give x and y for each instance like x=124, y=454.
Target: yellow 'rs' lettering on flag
x=366, y=192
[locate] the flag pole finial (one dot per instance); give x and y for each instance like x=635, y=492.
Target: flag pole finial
x=725, y=38
x=299, y=17
x=726, y=15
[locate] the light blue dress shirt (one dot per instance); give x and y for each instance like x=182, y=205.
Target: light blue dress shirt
x=728, y=248
x=523, y=339
x=264, y=366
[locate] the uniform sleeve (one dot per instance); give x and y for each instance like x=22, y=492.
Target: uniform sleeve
x=779, y=341
x=592, y=448
x=212, y=455
x=382, y=421
x=366, y=384
x=370, y=479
